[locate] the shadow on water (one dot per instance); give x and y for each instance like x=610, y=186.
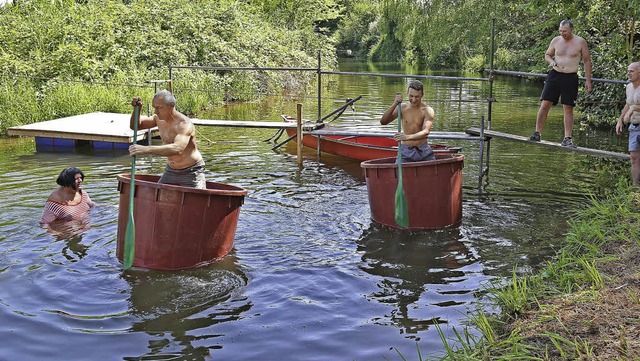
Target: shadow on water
x=170, y=306
x=412, y=264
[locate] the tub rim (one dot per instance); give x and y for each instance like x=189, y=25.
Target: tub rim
x=223, y=190
x=390, y=162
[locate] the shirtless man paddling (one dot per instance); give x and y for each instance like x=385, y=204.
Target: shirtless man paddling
x=185, y=166
x=417, y=120
x=563, y=55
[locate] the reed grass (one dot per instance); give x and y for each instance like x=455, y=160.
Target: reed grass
x=532, y=324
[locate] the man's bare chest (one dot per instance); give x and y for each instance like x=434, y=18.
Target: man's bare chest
x=568, y=49
x=167, y=133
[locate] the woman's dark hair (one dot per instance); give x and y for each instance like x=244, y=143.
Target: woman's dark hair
x=67, y=177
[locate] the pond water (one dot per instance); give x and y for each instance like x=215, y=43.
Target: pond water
x=311, y=276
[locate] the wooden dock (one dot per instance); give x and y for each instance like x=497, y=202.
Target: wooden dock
x=111, y=130
x=97, y=127
x=545, y=143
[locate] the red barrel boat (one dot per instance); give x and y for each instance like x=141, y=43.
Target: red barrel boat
x=178, y=227
x=433, y=190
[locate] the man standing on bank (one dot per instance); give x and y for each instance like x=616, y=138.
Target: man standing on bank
x=563, y=55
x=417, y=119
x=631, y=115
x=185, y=166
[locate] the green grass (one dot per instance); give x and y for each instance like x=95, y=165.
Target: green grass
x=573, y=276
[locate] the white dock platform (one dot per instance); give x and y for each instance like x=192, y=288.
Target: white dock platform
x=111, y=130
x=98, y=126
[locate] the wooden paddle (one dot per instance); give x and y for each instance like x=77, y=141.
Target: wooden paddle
x=130, y=234
x=402, y=210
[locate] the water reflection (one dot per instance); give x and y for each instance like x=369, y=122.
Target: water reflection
x=411, y=264
x=170, y=306
x=64, y=230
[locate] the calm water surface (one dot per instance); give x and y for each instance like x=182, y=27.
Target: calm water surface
x=311, y=277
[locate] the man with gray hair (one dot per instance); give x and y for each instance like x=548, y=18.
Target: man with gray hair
x=563, y=55
x=631, y=115
x=185, y=166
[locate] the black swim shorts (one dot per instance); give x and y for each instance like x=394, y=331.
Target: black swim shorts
x=559, y=85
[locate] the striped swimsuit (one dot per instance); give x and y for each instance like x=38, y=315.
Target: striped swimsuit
x=57, y=211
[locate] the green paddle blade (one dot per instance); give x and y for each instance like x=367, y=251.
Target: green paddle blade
x=402, y=209
x=129, y=241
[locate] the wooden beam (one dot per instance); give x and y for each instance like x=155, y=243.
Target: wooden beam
x=545, y=143
x=243, y=124
x=351, y=132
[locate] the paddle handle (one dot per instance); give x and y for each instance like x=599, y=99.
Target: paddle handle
x=399, y=131
x=136, y=118
x=399, y=115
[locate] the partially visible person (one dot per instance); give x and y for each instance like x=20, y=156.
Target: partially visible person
x=631, y=115
x=563, y=55
x=68, y=202
x=185, y=166
x=417, y=120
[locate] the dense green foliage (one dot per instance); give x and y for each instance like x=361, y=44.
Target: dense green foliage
x=454, y=34
x=114, y=46
x=63, y=57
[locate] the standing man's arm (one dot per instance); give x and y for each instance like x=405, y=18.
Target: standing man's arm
x=586, y=58
x=549, y=54
x=392, y=112
x=620, y=124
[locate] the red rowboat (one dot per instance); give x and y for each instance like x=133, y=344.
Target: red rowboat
x=360, y=147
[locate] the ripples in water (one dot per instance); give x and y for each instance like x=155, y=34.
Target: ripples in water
x=310, y=277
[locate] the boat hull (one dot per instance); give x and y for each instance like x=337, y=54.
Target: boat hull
x=178, y=227
x=361, y=148
x=433, y=190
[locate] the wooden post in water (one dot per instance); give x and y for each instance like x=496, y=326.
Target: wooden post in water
x=299, y=133
x=319, y=86
x=481, y=155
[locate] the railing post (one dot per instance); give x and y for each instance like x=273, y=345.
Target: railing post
x=319, y=86
x=481, y=155
x=299, y=134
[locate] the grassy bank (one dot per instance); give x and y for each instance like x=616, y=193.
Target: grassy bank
x=584, y=305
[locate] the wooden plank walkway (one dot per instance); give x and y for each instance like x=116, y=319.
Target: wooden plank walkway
x=244, y=124
x=545, y=143
x=329, y=131
x=114, y=127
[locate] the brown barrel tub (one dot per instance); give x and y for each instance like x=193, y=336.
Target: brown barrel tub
x=178, y=227
x=433, y=190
